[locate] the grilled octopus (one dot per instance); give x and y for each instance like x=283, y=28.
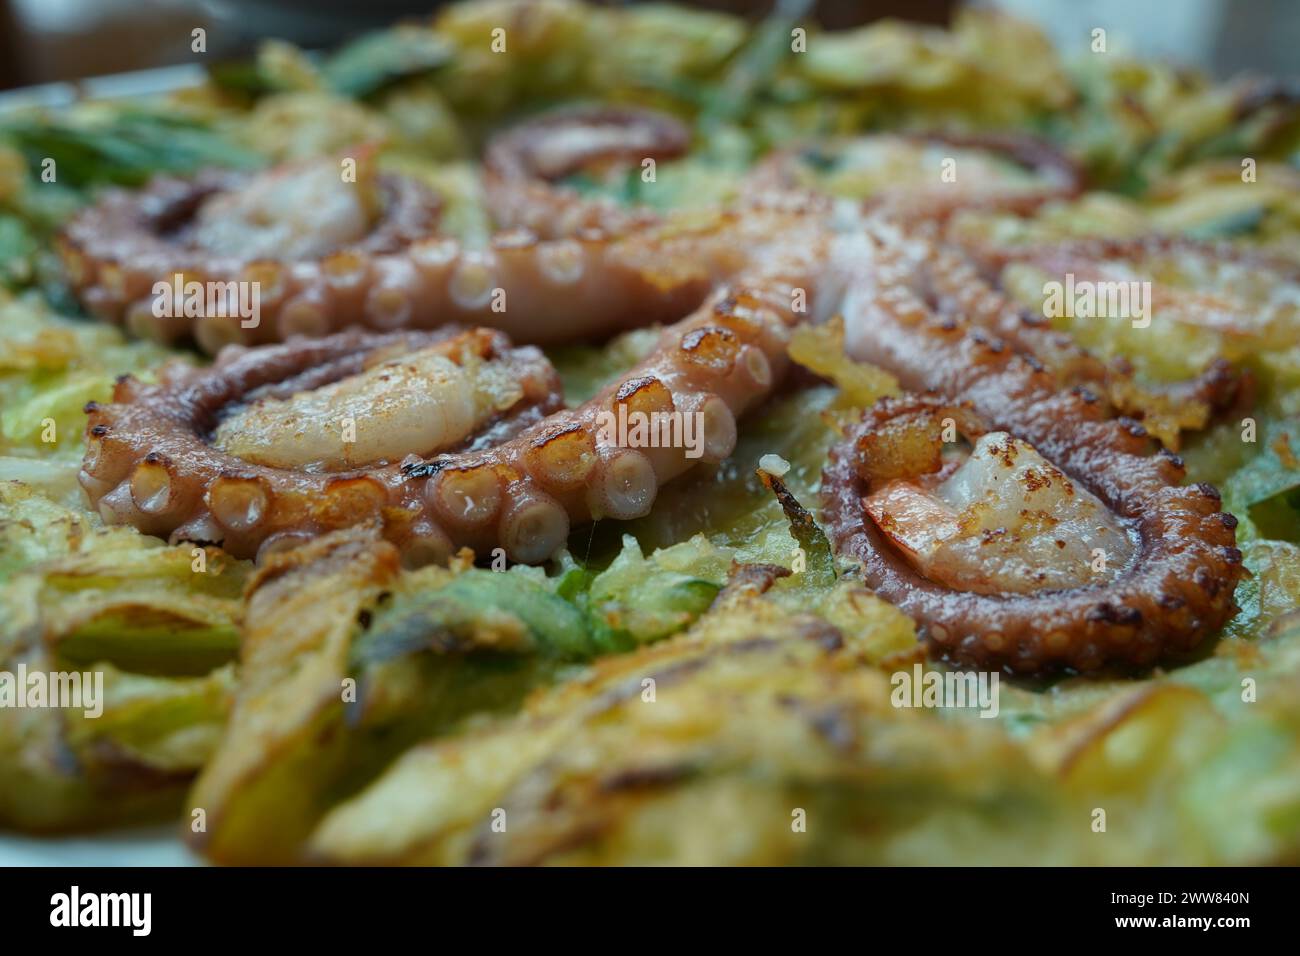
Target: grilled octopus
x=450, y=439
x=1006, y=504
x=327, y=253
x=1062, y=536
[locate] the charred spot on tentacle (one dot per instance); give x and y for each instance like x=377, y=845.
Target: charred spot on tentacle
x=563, y=456
x=713, y=348
x=424, y=469
x=645, y=394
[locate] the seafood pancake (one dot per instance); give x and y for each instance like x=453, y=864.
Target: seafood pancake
x=649, y=444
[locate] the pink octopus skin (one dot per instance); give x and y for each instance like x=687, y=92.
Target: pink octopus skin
x=1178, y=589
x=149, y=462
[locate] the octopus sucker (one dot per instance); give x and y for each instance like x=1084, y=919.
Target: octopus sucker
x=1166, y=561
x=626, y=487
x=533, y=527
x=466, y=495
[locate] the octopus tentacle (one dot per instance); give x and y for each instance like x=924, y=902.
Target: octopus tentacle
x=118, y=249
x=538, y=291
x=246, y=453
x=941, y=274
x=1233, y=290
x=580, y=269
x=521, y=166
x=222, y=455
x=962, y=282
x=706, y=371
x=1173, y=591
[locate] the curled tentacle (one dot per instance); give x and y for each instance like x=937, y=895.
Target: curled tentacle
x=1000, y=519
x=1171, y=591
x=522, y=165
x=274, y=444
x=447, y=440
x=302, y=251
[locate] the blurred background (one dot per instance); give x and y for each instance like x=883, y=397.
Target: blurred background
x=44, y=41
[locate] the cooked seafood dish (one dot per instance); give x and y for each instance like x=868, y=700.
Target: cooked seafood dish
x=556, y=434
